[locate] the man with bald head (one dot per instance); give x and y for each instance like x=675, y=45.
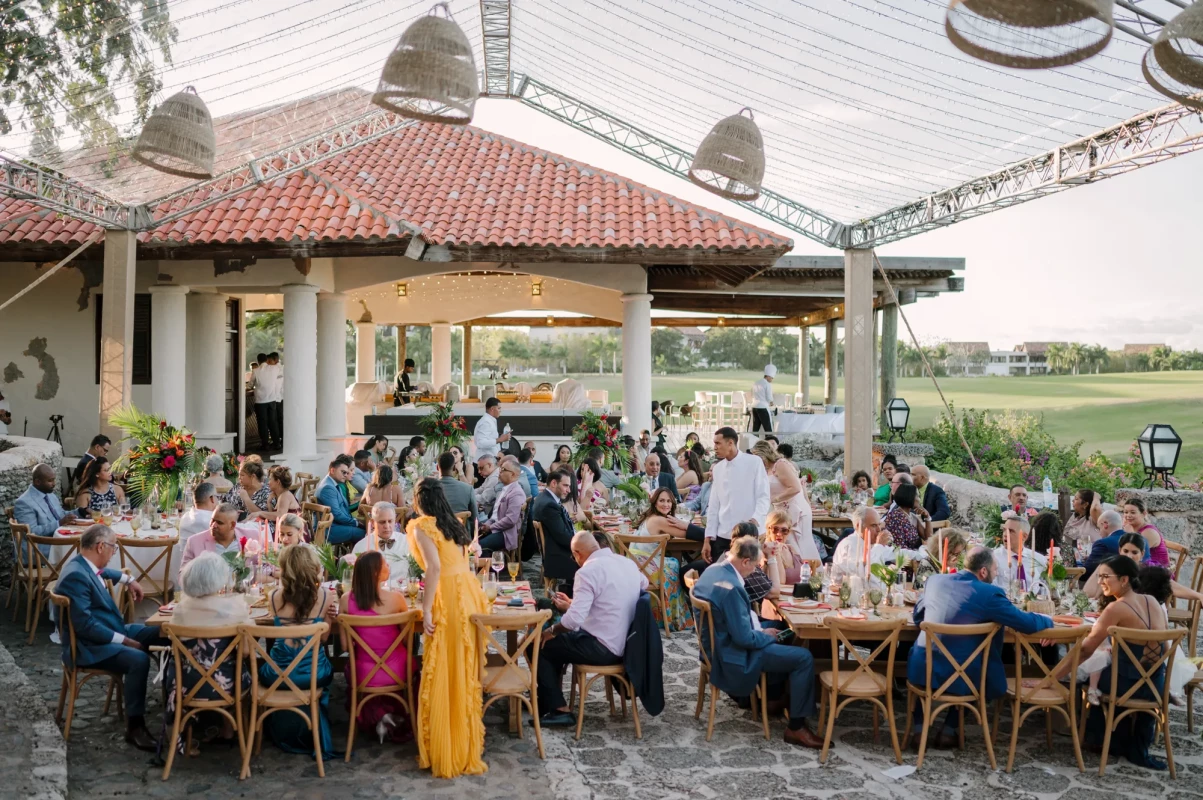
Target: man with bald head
x=39, y=507
x=594, y=627
x=931, y=497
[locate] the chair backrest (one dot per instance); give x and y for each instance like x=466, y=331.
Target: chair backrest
x=523, y=520
x=406, y=621
x=539, y=537
x=65, y=628
x=935, y=634
x=319, y=518
x=255, y=649
x=181, y=653
x=845, y=631
x=505, y=669
x=19, y=532
x=298, y=484
x=1048, y=681
x=651, y=564
x=47, y=569
x=1121, y=641
x=1180, y=551
x=165, y=545
x=308, y=487
x=705, y=620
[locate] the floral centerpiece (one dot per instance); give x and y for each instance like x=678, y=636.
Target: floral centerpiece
x=629, y=498
x=595, y=430
x=336, y=568
x=161, y=459
x=889, y=574
x=443, y=429
x=828, y=491
x=414, y=470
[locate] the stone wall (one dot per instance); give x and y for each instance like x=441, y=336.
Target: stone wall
x=1178, y=515
x=966, y=496
x=18, y=456
x=825, y=459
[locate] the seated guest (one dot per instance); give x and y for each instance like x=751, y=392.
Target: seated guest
x=525, y=457
x=253, y=495
x=395, y=549
x=742, y=653
x=221, y=537
x=383, y=489
x=1046, y=538
x=596, y=620
x=900, y=479
x=780, y=530
x=850, y=552
x=889, y=467
x=931, y=497
x=216, y=475
x=563, y=460
x=378, y=447
x=290, y=530
x=500, y=531
x=692, y=471
x=661, y=518
x=1132, y=545
x=860, y=487
x=969, y=597
x=655, y=479
x=1017, y=497
x=548, y=510
x=1006, y=556
x=99, y=448
x=102, y=638
x=459, y=494
x=763, y=581
x=331, y=491
x=197, y=518
x=590, y=488
x=96, y=488
x=609, y=477
x=1136, y=521
x=1081, y=529
x=1111, y=528
x=207, y=602
x=540, y=473
x=381, y=714
x=39, y=507
x=283, y=501
x=908, y=522
x=361, y=472
x=931, y=558
x=701, y=501
x=486, y=492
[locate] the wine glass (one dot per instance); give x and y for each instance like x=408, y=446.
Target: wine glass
x=875, y=597
x=411, y=590
x=94, y=513
x=498, y=563
x=512, y=567
x=135, y=523
x=816, y=582
x=491, y=591
x=125, y=509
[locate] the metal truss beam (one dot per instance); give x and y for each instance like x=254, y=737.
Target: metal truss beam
x=670, y=158
x=495, y=29
x=1143, y=140
x=51, y=190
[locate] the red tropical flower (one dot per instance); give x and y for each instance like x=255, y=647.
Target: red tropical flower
x=179, y=451
x=168, y=462
x=162, y=424
x=242, y=544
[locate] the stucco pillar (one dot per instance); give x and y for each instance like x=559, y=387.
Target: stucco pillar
x=365, y=352
x=206, y=348
x=830, y=362
x=804, y=364
x=440, y=354
x=466, y=359
x=300, y=373
x=401, y=349
x=858, y=360
x=117, y=327
x=169, y=352
x=637, y=362
x=889, y=357
x=331, y=365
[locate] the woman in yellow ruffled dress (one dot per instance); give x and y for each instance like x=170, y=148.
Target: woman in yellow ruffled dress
x=451, y=733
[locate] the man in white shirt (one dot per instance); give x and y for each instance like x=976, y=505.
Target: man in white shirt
x=595, y=624
x=197, y=518
x=643, y=447
x=395, y=549
x=1006, y=556
x=739, y=492
x=486, y=493
x=762, y=401
x=485, y=435
x=850, y=552
x=265, y=383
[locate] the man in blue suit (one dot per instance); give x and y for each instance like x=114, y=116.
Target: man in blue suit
x=1111, y=525
x=332, y=492
x=102, y=639
x=968, y=597
x=743, y=652
x=39, y=508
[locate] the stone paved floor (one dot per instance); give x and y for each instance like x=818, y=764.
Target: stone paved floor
x=672, y=761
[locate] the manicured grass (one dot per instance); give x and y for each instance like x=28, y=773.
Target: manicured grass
x=1106, y=412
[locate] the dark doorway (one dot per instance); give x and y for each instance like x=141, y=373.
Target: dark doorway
x=234, y=379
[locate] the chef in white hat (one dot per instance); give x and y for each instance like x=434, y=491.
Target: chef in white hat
x=762, y=401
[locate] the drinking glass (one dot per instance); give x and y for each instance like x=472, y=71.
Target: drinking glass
x=816, y=581
x=95, y=514
x=498, y=563
x=125, y=509
x=411, y=590
x=491, y=591
x=875, y=597
x=512, y=567
x=135, y=522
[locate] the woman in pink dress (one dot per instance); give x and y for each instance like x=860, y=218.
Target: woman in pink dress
x=1135, y=521
x=382, y=715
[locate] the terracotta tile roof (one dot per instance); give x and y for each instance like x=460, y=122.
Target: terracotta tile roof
x=462, y=186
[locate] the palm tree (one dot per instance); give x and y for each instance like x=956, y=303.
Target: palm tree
x=1056, y=358
x=1076, y=355
x=1161, y=358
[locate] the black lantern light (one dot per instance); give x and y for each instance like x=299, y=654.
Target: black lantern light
x=1159, y=449
x=897, y=415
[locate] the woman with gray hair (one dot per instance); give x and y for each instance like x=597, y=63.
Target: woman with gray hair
x=215, y=474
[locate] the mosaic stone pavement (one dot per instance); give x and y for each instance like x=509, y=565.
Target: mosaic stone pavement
x=673, y=760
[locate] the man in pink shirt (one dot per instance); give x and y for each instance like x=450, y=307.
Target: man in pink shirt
x=220, y=538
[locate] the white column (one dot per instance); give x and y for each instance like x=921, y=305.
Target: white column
x=804, y=364
x=117, y=327
x=206, y=403
x=300, y=372
x=365, y=352
x=440, y=354
x=169, y=352
x=331, y=365
x=637, y=362
x=858, y=360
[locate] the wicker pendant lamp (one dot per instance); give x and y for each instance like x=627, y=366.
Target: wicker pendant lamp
x=1030, y=34
x=431, y=74
x=730, y=160
x=178, y=138
x=1174, y=64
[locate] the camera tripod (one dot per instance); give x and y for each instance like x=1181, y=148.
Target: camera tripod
x=56, y=429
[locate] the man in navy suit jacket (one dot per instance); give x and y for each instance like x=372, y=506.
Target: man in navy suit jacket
x=968, y=597
x=102, y=639
x=742, y=652
x=658, y=479
x=935, y=501
x=1111, y=525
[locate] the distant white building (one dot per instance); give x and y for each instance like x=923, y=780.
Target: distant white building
x=976, y=358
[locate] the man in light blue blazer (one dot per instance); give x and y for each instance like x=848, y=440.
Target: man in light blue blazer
x=39, y=507
x=332, y=491
x=102, y=638
x=742, y=652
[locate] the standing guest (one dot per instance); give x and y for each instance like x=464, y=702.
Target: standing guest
x=908, y=522
x=500, y=531
x=743, y=653
x=102, y=638
x=931, y=497
x=384, y=525
x=458, y=494
x=378, y=447
x=383, y=489
x=787, y=493
x=1006, y=556
x=597, y=618
x=220, y=538
x=762, y=401
x=451, y=734
x=739, y=492
x=361, y=472
x=266, y=385
x=96, y=487
x=331, y=491
x=969, y=597
x=1081, y=527
x=253, y=495
x=290, y=530
x=198, y=518
x=1136, y=521
x=404, y=391
x=39, y=507
x=99, y=448
x=369, y=597
x=563, y=460
x=548, y=510
x=692, y=472
x=1017, y=497
x=655, y=479
x=215, y=474
x=528, y=472
x=486, y=493
x=657, y=420
x=273, y=358
x=486, y=436
x=540, y=473
x=1111, y=526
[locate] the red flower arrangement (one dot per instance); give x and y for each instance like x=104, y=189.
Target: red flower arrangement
x=443, y=429
x=593, y=431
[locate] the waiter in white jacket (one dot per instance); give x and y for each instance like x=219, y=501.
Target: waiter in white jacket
x=739, y=492
x=762, y=401
x=485, y=435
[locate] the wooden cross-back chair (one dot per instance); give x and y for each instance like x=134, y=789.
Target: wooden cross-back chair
x=75, y=676
x=283, y=693
x=187, y=702
x=128, y=547
x=937, y=699
x=651, y=564
x=704, y=626
x=19, y=577
x=399, y=687
x=1127, y=703
x=318, y=518
x=549, y=584
x=1180, y=553
x=501, y=674
x=858, y=680
x=1189, y=617
x=523, y=519
x=308, y=486
x=41, y=571
x=1044, y=692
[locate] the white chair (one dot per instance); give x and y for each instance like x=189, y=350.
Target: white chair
x=598, y=397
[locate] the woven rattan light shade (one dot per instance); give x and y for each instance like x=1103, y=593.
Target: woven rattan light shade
x=1030, y=34
x=730, y=160
x=178, y=138
x=430, y=75
x=1174, y=64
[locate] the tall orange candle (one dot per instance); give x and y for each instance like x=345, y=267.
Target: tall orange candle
x=1019, y=549
x=1052, y=555
x=944, y=554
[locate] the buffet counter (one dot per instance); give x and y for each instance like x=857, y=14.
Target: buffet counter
x=528, y=420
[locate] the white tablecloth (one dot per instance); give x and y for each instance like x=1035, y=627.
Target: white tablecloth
x=810, y=423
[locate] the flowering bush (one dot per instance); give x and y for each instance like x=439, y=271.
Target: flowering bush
x=161, y=459
x=443, y=429
x=593, y=431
